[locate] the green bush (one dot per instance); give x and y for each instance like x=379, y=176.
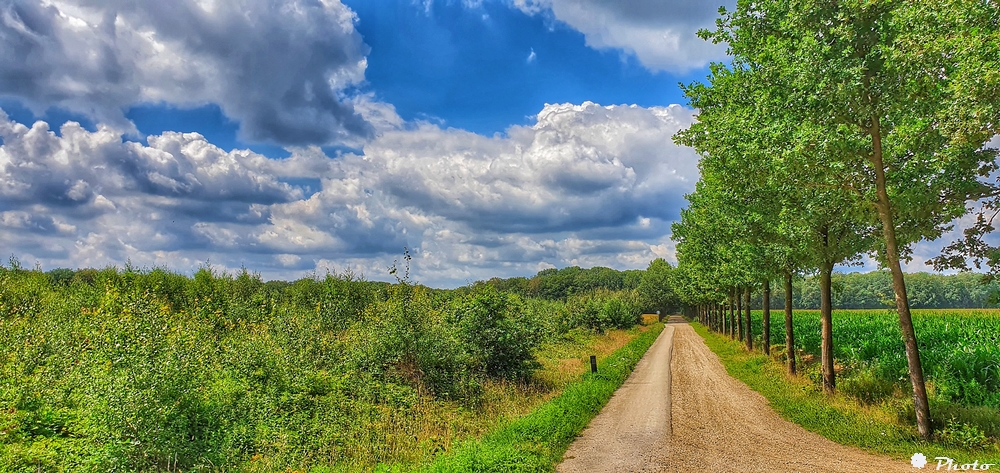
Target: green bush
x=407, y=340
x=601, y=310
x=960, y=434
x=497, y=333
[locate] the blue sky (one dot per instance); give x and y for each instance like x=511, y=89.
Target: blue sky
x=481, y=68
x=470, y=66
x=490, y=137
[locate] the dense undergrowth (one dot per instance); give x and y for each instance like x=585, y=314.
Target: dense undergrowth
x=148, y=370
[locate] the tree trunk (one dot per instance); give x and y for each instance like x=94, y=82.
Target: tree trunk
x=732, y=315
x=739, y=314
x=766, y=308
x=715, y=316
x=720, y=314
x=725, y=316
x=789, y=327
x=884, y=207
x=746, y=310
x=826, y=328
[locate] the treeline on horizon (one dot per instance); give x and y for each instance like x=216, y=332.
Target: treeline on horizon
x=871, y=290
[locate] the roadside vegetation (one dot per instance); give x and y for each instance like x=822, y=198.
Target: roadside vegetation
x=148, y=370
x=538, y=441
x=850, y=417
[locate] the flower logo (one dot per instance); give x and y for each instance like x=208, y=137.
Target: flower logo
x=918, y=460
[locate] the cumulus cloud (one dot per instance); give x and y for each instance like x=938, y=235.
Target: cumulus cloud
x=279, y=68
x=660, y=34
x=578, y=167
x=586, y=184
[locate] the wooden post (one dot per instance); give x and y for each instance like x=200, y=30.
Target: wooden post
x=593, y=364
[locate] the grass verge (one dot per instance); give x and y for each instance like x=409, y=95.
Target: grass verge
x=536, y=442
x=837, y=417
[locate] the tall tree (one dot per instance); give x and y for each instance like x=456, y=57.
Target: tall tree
x=899, y=90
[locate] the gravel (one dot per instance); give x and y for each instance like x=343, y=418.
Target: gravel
x=681, y=411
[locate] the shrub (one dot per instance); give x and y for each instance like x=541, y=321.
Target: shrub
x=496, y=333
x=602, y=309
x=961, y=434
x=406, y=338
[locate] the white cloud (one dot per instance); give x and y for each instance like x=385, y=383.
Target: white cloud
x=279, y=68
x=586, y=184
x=660, y=34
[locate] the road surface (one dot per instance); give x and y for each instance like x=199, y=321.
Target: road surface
x=681, y=411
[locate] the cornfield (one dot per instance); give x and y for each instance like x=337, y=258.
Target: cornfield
x=959, y=348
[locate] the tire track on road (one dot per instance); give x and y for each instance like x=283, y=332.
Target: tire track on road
x=681, y=411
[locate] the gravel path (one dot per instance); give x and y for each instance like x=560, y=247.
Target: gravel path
x=681, y=411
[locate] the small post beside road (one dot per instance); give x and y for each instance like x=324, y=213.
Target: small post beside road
x=593, y=364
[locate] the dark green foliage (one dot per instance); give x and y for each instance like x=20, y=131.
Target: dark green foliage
x=559, y=284
x=656, y=288
x=499, y=339
x=873, y=290
x=600, y=310
x=61, y=275
x=405, y=338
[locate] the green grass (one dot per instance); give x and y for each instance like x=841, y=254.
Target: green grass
x=536, y=442
x=875, y=428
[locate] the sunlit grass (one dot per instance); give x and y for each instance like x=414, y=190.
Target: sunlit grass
x=537, y=441
x=883, y=427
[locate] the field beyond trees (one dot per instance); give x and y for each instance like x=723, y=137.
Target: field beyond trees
x=149, y=370
x=959, y=348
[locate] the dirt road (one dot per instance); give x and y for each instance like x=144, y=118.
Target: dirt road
x=681, y=411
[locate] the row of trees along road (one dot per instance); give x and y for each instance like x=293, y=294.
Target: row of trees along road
x=839, y=128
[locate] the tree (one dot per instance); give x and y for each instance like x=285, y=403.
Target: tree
x=656, y=288
x=897, y=89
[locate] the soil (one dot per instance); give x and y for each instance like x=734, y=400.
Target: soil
x=681, y=411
